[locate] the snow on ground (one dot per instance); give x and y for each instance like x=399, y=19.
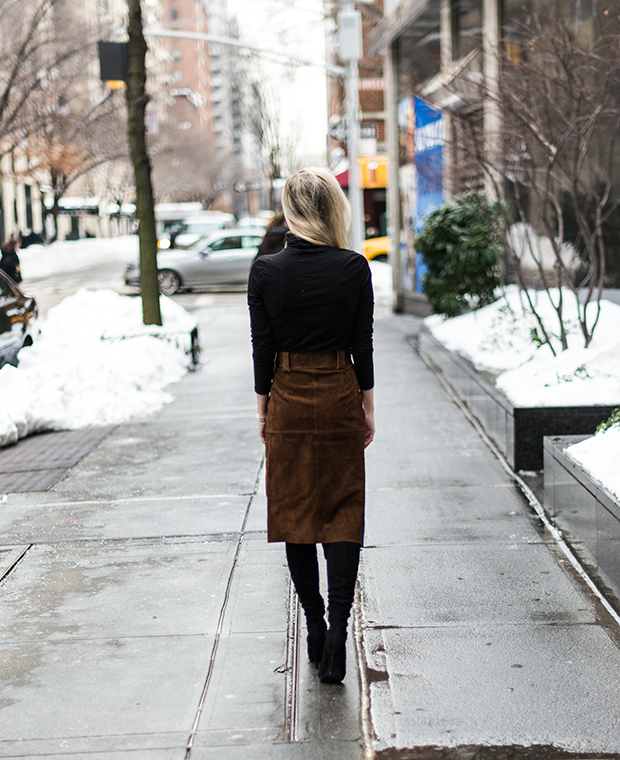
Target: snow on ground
x=94, y=363
x=70, y=256
x=599, y=456
x=498, y=337
x=381, y=273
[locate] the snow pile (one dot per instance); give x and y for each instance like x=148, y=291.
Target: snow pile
x=533, y=250
x=501, y=338
x=381, y=273
x=95, y=363
x=71, y=256
x=600, y=455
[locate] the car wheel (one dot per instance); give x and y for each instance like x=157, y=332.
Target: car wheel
x=169, y=281
x=381, y=257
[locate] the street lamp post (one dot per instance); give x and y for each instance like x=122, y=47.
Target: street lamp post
x=350, y=51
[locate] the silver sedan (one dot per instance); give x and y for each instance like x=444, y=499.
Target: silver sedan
x=222, y=258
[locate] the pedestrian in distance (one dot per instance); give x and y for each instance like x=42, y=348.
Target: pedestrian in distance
x=9, y=262
x=311, y=313
x=275, y=235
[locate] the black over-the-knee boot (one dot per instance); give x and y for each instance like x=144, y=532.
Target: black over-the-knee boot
x=342, y=563
x=304, y=568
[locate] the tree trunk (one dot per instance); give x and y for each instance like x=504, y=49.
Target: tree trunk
x=54, y=212
x=136, y=106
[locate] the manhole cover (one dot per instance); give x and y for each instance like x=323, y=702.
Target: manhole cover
x=37, y=462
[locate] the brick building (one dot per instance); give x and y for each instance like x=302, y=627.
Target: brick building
x=188, y=66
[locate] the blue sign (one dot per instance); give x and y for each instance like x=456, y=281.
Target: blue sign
x=428, y=141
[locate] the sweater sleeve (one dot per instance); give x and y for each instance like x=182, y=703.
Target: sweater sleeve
x=263, y=343
x=361, y=345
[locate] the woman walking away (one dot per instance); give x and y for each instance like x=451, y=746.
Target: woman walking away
x=274, y=238
x=311, y=311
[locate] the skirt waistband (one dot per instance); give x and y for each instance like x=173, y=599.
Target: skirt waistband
x=330, y=359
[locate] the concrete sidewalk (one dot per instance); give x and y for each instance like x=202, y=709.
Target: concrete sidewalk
x=477, y=630
x=148, y=617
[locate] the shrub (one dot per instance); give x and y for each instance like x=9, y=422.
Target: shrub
x=613, y=420
x=460, y=243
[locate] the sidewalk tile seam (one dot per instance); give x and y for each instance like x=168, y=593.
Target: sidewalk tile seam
x=187, y=538
x=448, y=487
x=486, y=624
x=111, y=636
x=141, y=500
x=511, y=541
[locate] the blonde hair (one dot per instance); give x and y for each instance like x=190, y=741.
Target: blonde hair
x=315, y=207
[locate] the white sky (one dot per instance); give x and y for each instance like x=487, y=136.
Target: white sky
x=295, y=27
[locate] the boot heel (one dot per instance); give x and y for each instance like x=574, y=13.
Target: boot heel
x=334, y=664
x=316, y=642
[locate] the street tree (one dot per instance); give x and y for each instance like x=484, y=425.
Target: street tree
x=264, y=122
x=28, y=56
x=137, y=99
x=73, y=138
x=187, y=166
x=554, y=156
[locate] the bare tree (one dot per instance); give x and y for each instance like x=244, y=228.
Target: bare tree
x=264, y=122
x=187, y=166
x=33, y=53
x=26, y=54
x=557, y=151
x=72, y=139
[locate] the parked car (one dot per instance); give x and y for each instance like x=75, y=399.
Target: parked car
x=258, y=222
x=186, y=233
x=223, y=258
x=18, y=318
x=377, y=249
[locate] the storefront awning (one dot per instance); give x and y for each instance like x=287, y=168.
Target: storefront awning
x=416, y=17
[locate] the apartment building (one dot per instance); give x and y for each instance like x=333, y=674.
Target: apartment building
x=188, y=67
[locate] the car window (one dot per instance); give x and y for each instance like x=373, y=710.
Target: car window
x=6, y=291
x=250, y=241
x=201, y=228
x=225, y=244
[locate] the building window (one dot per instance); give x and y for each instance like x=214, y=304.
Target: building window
x=174, y=14
x=466, y=27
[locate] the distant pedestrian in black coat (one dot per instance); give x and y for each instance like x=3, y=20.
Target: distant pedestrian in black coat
x=10, y=260
x=273, y=242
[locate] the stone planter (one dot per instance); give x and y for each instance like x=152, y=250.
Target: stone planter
x=517, y=431
x=583, y=510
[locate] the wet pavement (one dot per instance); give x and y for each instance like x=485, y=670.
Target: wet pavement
x=143, y=614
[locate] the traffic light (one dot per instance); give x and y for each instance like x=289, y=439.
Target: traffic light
x=113, y=63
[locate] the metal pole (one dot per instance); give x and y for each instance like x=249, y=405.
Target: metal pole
x=356, y=198
x=351, y=50
x=232, y=42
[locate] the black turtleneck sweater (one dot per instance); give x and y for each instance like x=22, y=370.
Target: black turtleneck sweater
x=310, y=297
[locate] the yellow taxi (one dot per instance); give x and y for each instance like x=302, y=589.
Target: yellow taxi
x=377, y=249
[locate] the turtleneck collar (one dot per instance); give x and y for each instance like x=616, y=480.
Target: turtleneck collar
x=300, y=244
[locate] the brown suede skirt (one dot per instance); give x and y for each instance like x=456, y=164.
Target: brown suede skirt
x=315, y=450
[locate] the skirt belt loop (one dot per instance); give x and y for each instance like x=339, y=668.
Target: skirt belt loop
x=287, y=360
x=340, y=359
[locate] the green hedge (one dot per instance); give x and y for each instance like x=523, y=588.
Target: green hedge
x=460, y=243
